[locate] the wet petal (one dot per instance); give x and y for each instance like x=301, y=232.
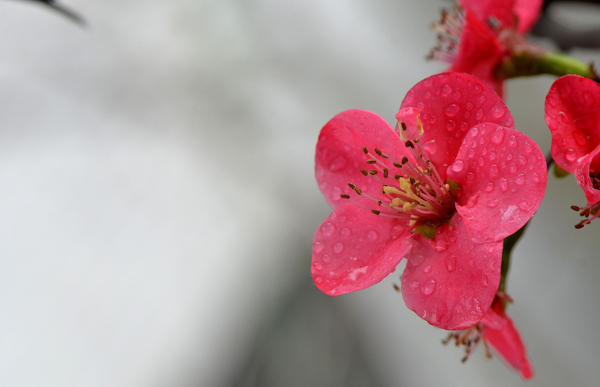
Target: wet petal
x=450, y=105
x=354, y=249
x=582, y=173
x=506, y=341
x=450, y=281
x=502, y=180
x=573, y=118
x=340, y=157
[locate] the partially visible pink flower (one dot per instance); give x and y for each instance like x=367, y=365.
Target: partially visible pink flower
x=476, y=37
x=444, y=190
x=574, y=120
x=497, y=330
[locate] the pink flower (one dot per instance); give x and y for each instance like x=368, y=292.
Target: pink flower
x=574, y=120
x=478, y=36
x=498, y=331
x=389, y=189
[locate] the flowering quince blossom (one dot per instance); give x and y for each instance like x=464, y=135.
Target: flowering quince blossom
x=574, y=120
x=476, y=37
x=443, y=190
x=497, y=330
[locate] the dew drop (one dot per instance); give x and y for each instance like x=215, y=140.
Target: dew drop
x=417, y=260
x=450, y=263
x=427, y=95
x=484, y=281
x=450, y=125
x=318, y=280
x=493, y=203
x=580, y=138
x=522, y=160
x=451, y=110
x=446, y=90
x=338, y=164
x=317, y=266
x=327, y=229
x=513, y=168
x=520, y=179
x=345, y=232
x=512, y=141
x=498, y=110
x=469, y=106
x=503, y=185
x=492, y=156
x=570, y=154
x=509, y=156
x=372, y=235
x=430, y=147
x=428, y=287
x=493, y=171
x=489, y=187
x=318, y=247
x=413, y=285
x=536, y=178
x=338, y=248
x=471, y=153
x=456, y=94
x=458, y=166
x=326, y=258
x=481, y=162
x=479, y=114
x=420, y=105
x=470, y=176
x=441, y=245
x=498, y=135
x=477, y=89
x=427, y=268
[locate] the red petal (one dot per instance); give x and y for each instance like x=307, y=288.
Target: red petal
x=451, y=281
x=507, y=343
x=528, y=12
x=502, y=10
x=501, y=175
x=582, y=173
x=573, y=118
x=450, y=105
x=479, y=51
x=339, y=155
x=354, y=249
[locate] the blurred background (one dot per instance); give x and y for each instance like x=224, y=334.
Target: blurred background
x=157, y=201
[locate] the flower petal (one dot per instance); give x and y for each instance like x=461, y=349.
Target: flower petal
x=501, y=10
x=354, y=249
x=507, y=343
x=528, y=12
x=502, y=176
x=450, y=281
x=573, y=118
x=339, y=155
x=582, y=173
x=450, y=105
x=479, y=51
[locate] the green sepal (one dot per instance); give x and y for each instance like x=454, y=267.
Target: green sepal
x=559, y=172
x=453, y=187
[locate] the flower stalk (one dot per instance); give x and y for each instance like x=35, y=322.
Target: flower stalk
x=527, y=63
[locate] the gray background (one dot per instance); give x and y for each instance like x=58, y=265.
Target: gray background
x=157, y=202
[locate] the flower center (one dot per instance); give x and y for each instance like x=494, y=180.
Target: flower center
x=592, y=210
x=411, y=190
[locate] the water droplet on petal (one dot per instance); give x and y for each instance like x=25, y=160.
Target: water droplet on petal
x=470, y=176
x=446, y=90
x=326, y=258
x=450, y=263
x=498, y=110
x=536, y=178
x=450, y=125
x=338, y=164
x=413, y=285
x=484, y=281
x=427, y=268
x=489, y=187
x=327, y=229
x=318, y=247
x=570, y=154
x=493, y=203
x=428, y=287
x=372, y=235
x=430, y=147
x=479, y=114
x=338, y=248
x=512, y=141
x=417, y=260
x=317, y=266
x=524, y=206
x=493, y=170
x=318, y=280
x=522, y=160
x=451, y=110
x=503, y=185
x=345, y=232
x=513, y=168
x=520, y=179
x=471, y=153
x=458, y=166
